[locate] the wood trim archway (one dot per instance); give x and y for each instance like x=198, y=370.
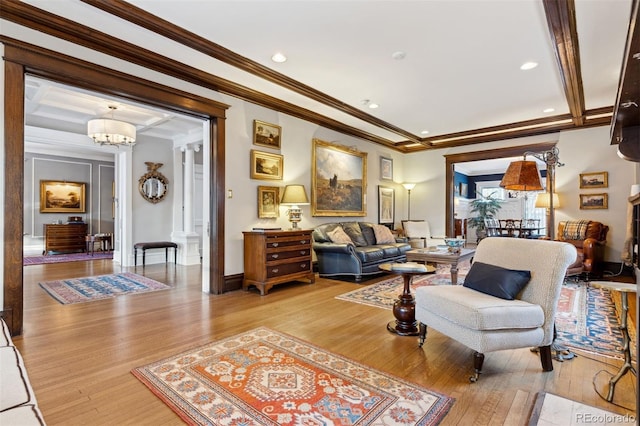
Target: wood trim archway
x=21, y=59
x=452, y=159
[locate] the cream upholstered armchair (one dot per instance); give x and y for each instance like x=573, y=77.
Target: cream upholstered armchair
x=508, y=301
x=419, y=234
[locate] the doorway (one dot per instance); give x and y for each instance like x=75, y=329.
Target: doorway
x=20, y=59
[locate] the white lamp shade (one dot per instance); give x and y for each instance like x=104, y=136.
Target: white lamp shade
x=294, y=195
x=112, y=132
x=542, y=201
x=409, y=186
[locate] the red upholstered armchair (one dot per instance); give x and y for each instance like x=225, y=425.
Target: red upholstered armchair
x=589, y=238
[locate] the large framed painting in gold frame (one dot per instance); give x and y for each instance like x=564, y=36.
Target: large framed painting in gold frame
x=339, y=180
x=62, y=197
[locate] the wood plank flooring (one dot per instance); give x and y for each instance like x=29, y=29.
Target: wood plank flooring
x=79, y=357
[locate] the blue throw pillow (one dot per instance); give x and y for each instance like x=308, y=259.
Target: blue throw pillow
x=496, y=281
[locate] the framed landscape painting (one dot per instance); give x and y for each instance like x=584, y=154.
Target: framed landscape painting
x=266, y=134
x=339, y=180
x=62, y=197
x=594, y=201
x=266, y=166
x=594, y=180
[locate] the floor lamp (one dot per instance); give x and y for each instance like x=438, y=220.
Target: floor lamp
x=409, y=187
x=525, y=176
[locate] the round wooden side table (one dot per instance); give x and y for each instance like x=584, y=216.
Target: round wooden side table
x=623, y=288
x=404, y=308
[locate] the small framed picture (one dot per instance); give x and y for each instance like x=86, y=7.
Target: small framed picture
x=386, y=205
x=386, y=168
x=266, y=166
x=594, y=180
x=268, y=202
x=266, y=134
x=594, y=201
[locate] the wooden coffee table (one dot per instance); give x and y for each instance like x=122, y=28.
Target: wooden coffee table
x=404, y=308
x=427, y=255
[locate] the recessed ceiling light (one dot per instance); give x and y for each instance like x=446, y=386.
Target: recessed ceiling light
x=279, y=58
x=424, y=132
x=399, y=55
x=547, y=110
x=528, y=66
x=373, y=105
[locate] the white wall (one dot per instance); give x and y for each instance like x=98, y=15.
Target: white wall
x=586, y=150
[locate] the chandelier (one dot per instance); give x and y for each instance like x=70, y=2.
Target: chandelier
x=107, y=131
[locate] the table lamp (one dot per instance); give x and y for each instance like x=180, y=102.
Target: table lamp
x=294, y=196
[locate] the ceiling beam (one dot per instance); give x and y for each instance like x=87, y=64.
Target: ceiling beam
x=561, y=19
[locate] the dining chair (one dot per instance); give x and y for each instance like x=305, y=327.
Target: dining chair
x=492, y=227
x=510, y=227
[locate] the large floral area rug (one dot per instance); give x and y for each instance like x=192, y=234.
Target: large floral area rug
x=70, y=257
x=263, y=377
x=87, y=289
x=586, y=319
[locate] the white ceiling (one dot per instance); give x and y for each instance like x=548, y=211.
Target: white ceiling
x=460, y=71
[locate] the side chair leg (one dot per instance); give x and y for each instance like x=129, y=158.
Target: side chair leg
x=478, y=360
x=422, y=334
x=545, y=358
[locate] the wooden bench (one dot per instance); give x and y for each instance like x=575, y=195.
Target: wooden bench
x=166, y=245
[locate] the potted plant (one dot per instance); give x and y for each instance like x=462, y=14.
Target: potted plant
x=484, y=207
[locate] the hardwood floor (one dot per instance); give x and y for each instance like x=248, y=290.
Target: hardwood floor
x=79, y=357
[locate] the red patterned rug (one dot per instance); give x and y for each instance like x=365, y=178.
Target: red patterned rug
x=263, y=377
x=71, y=257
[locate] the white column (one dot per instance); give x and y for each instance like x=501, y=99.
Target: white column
x=188, y=190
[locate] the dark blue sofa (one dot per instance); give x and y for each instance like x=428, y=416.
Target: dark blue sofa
x=357, y=259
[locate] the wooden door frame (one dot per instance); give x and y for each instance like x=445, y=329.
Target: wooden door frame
x=452, y=159
x=20, y=59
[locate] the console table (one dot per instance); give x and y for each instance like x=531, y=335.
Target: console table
x=275, y=257
x=64, y=238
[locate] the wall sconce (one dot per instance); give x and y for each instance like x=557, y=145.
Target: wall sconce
x=294, y=196
x=409, y=187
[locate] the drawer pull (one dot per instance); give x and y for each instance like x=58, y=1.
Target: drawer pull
x=274, y=244
x=275, y=270
x=275, y=256
x=303, y=241
x=303, y=252
x=303, y=266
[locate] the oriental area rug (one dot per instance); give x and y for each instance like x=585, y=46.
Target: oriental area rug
x=71, y=257
x=263, y=377
x=586, y=319
x=87, y=289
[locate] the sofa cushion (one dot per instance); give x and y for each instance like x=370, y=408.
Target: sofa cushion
x=383, y=235
x=355, y=233
x=320, y=232
x=367, y=233
x=338, y=236
x=24, y=415
x=496, y=281
x=370, y=254
x=478, y=311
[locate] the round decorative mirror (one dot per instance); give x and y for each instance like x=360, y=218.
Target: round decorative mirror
x=153, y=185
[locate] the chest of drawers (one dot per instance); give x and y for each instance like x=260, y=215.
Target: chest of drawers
x=64, y=238
x=275, y=257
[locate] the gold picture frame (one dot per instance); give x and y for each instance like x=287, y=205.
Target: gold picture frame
x=268, y=202
x=594, y=201
x=339, y=180
x=266, y=134
x=266, y=166
x=62, y=197
x=594, y=180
